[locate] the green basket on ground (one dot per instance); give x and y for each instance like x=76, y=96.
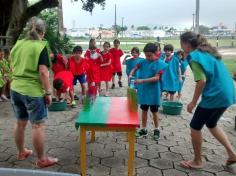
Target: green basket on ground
x=57, y=106
x=172, y=107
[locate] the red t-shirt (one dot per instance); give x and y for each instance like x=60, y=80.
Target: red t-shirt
x=67, y=78
x=116, y=53
x=93, y=73
x=77, y=67
x=59, y=65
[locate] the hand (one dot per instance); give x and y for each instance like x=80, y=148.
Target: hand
x=190, y=107
x=138, y=81
x=48, y=99
x=65, y=61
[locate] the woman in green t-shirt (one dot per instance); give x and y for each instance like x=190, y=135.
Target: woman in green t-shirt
x=30, y=90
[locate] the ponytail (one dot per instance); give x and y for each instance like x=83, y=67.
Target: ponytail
x=198, y=41
x=36, y=28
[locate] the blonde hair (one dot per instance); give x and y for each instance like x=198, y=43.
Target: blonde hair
x=36, y=27
x=198, y=41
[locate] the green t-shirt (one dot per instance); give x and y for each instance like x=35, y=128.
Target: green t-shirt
x=198, y=72
x=24, y=61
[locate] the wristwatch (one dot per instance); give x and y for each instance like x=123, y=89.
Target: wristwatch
x=48, y=93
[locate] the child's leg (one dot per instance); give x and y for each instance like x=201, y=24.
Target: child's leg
x=156, y=119
x=107, y=87
x=83, y=87
x=172, y=93
x=144, y=119
x=120, y=76
x=219, y=134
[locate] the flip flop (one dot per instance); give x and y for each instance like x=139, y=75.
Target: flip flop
x=46, y=162
x=23, y=155
x=188, y=165
x=229, y=163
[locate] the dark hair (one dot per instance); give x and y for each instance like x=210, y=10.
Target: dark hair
x=198, y=41
x=116, y=41
x=77, y=49
x=57, y=84
x=150, y=47
x=92, y=48
x=180, y=52
x=169, y=47
x=158, y=45
x=135, y=49
x=91, y=43
x=107, y=43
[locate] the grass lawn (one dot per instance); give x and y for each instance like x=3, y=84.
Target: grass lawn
x=230, y=64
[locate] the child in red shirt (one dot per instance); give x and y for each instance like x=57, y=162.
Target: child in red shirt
x=106, y=68
x=59, y=63
x=78, y=66
x=94, y=60
x=63, y=83
x=116, y=54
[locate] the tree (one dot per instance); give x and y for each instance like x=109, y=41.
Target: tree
x=143, y=28
x=14, y=14
x=155, y=28
x=203, y=29
x=58, y=43
x=119, y=29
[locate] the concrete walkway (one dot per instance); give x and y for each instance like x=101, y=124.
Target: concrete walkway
x=108, y=154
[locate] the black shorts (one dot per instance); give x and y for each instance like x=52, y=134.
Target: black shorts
x=118, y=73
x=153, y=108
x=203, y=116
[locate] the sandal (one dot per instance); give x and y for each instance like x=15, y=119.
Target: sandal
x=190, y=165
x=25, y=154
x=46, y=162
x=229, y=163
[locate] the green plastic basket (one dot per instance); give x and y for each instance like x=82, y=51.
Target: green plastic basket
x=172, y=107
x=57, y=106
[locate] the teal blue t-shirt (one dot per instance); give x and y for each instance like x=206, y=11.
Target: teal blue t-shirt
x=219, y=91
x=149, y=93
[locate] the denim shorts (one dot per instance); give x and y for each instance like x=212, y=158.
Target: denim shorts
x=81, y=78
x=29, y=108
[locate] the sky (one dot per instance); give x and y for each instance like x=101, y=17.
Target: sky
x=151, y=13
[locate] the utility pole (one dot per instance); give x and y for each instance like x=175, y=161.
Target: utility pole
x=60, y=18
x=193, y=22
x=122, y=26
x=197, y=16
x=115, y=26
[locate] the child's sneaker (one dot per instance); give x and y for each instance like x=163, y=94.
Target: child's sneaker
x=141, y=133
x=73, y=104
x=76, y=97
x=156, y=134
x=120, y=84
x=113, y=86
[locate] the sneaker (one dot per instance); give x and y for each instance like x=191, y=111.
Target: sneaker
x=120, y=84
x=113, y=86
x=46, y=162
x=156, y=134
x=76, y=97
x=73, y=104
x=141, y=133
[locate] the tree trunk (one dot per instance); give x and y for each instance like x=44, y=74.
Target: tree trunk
x=21, y=14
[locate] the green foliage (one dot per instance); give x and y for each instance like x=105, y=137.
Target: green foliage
x=203, y=29
x=58, y=43
x=120, y=28
x=143, y=28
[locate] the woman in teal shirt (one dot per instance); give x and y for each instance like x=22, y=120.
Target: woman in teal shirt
x=215, y=85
